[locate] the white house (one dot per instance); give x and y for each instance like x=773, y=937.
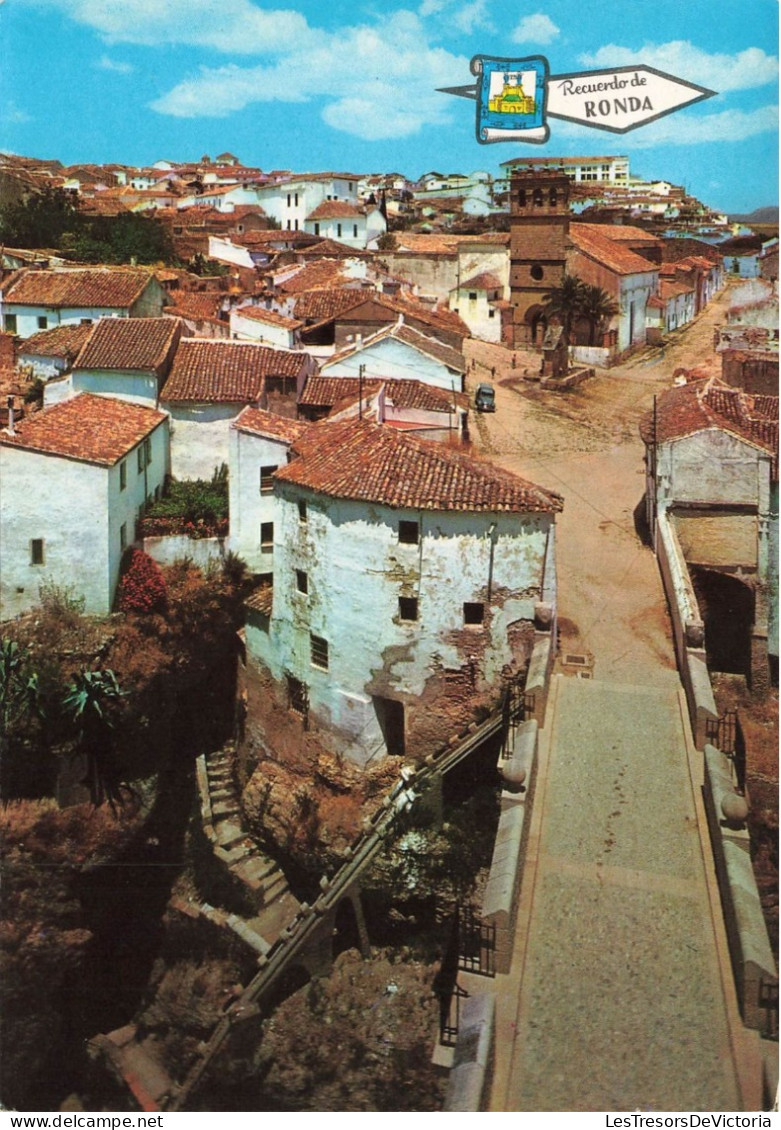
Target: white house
x=349, y=223
x=75, y=478
x=51, y=353
x=33, y=300
x=127, y=357
x=712, y=476
x=209, y=384
x=406, y=579
x=256, y=323
x=402, y=353
x=408, y=405
x=291, y=200
x=258, y=446
x=475, y=301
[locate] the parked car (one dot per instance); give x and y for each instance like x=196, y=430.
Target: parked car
x=485, y=398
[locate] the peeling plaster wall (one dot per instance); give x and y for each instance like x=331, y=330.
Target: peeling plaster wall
x=713, y=466
x=249, y=509
x=356, y=572
x=199, y=437
x=396, y=360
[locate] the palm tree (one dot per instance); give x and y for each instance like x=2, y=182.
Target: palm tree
x=564, y=302
x=88, y=701
x=597, y=307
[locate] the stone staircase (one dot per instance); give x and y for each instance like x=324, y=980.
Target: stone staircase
x=241, y=855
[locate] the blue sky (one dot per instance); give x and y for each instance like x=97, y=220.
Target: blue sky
x=352, y=85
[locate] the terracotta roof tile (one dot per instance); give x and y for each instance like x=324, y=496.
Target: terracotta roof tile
x=261, y=600
x=668, y=288
x=710, y=403
x=198, y=304
x=270, y=317
x=320, y=305
x=484, y=281
x=361, y=460
x=129, y=343
x=90, y=429
x=256, y=422
x=608, y=252
x=62, y=341
x=226, y=371
x=97, y=286
x=336, y=210
x=330, y=247
x=445, y=354
x=315, y=276
x=624, y=233
x=325, y=392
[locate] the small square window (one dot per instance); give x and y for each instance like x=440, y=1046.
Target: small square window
x=319, y=652
x=473, y=612
x=302, y=516
x=123, y=474
x=267, y=479
x=408, y=608
x=409, y=533
x=266, y=535
x=473, y=296
x=302, y=581
x=43, y=323
x=36, y=551
x=9, y=321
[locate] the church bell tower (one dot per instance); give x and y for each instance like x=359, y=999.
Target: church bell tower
x=539, y=242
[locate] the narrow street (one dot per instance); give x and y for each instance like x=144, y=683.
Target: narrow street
x=618, y=997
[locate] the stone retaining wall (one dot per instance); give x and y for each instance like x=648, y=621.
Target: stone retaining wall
x=471, y=1070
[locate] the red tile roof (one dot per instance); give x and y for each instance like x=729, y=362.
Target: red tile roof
x=336, y=210
x=97, y=286
x=198, y=304
x=256, y=422
x=329, y=247
x=360, y=460
x=435, y=349
x=226, y=371
x=261, y=600
x=484, y=281
x=324, y=392
x=624, y=233
x=270, y=317
x=129, y=343
x=62, y=341
x=608, y=252
x=315, y=276
x=710, y=403
x=90, y=429
x=321, y=305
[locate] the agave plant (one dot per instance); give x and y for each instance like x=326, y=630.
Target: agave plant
x=88, y=702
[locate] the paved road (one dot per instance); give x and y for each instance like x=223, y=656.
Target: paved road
x=616, y=996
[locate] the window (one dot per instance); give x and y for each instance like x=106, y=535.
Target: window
x=473, y=612
x=339, y=231
x=537, y=198
x=522, y=198
x=10, y=323
x=302, y=515
x=147, y=451
x=317, y=229
x=123, y=474
x=43, y=323
x=473, y=296
x=408, y=608
x=536, y=272
x=295, y=226
x=36, y=551
x=86, y=321
x=554, y=197
x=267, y=479
x=288, y=200
x=302, y=581
x=409, y=533
x=297, y=696
x=355, y=231
x=266, y=535
x=296, y=199
x=349, y=186
x=140, y=458
x=492, y=313
x=123, y=536
x=318, y=649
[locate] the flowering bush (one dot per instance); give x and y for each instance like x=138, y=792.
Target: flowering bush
x=141, y=584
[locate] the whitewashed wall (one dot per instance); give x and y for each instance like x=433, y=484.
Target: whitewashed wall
x=248, y=507
x=199, y=437
x=397, y=360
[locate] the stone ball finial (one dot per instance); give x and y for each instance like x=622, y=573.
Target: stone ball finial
x=513, y=775
x=734, y=808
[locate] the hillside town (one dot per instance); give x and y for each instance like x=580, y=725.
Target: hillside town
x=397, y=487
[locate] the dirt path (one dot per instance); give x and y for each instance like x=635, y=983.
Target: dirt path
x=585, y=444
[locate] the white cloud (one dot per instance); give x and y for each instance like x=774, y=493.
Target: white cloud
x=537, y=28
x=13, y=115
x=683, y=129
x=473, y=17
x=721, y=73
x=232, y=26
x=107, y=64
x=375, y=82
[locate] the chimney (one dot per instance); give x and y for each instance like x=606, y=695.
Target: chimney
x=10, y=429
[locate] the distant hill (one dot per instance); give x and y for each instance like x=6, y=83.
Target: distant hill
x=767, y=215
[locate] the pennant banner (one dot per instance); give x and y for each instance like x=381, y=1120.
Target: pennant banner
x=516, y=96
